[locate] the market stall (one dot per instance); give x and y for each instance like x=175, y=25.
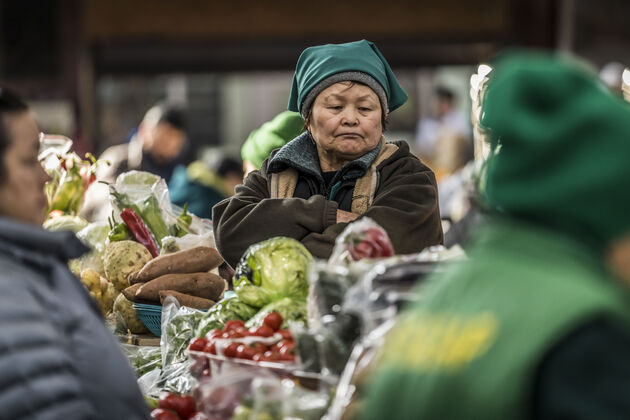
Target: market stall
x=284, y=337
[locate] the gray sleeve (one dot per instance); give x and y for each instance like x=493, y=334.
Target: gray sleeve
x=39, y=379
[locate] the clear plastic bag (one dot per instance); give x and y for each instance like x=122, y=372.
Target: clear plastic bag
x=178, y=326
x=361, y=239
x=242, y=394
x=148, y=195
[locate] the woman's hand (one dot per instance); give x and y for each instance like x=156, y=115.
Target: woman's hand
x=346, y=216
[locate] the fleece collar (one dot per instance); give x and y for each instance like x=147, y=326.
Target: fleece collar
x=301, y=154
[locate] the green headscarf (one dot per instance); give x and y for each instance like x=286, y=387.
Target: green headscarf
x=320, y=62
x=563, y=148
x=273, y=134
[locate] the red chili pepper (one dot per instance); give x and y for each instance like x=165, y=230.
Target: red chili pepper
x=139, y=230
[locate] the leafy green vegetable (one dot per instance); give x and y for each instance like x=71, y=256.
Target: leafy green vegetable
x=73, y=223
x=146, y=360
x=223, y=311
x=290, y=309
x=137, y=178
x=179, y=331
x=271, y=270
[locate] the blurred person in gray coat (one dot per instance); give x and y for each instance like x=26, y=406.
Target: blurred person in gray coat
x=57, y=358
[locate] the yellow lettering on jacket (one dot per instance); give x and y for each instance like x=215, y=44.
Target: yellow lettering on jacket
x=439, y=341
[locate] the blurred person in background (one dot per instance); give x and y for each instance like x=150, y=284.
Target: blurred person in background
x=444, y=141
x=340, y=169
x=205, y=182
x=272, y=135
x=57, y=358
x=536, y=324
x=155, y=148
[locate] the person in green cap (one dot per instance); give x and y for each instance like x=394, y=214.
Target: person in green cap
x=340, y=169
x=536, y=324
x=272, y=135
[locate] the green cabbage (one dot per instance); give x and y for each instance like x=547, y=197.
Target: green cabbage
x=271, y=270
x=290, y=309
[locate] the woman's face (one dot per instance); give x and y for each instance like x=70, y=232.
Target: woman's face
x=346, y=121
x=22, y=184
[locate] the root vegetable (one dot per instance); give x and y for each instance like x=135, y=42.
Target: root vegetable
x=192, y=260
x=125, y=308
x=187, y=300
x=123, y=258
x=204, y=285
x=130, y=292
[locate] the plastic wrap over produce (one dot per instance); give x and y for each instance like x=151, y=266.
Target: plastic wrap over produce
x=241, y=394
x=172, y=372
x=172, y=228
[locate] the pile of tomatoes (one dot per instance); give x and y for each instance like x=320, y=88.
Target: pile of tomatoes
x=176, y=407
x=226, y=342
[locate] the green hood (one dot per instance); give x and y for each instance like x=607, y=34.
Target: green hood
x=322, y=61
x=562, y=143
x=270, y=136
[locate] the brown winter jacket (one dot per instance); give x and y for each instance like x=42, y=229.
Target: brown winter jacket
x=397, y=191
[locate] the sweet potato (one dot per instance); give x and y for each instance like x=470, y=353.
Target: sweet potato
x=192, y=260
x=187, y=300
x=204, y=285
x=130, y=294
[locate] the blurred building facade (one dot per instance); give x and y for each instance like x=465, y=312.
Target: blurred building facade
x=93, y=67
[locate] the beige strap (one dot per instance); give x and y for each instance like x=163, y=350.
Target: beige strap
x=283, y=183
x=365, y=187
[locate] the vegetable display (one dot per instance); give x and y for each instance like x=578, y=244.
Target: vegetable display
x=266, y=343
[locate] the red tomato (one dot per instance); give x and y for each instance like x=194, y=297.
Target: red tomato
x=231, y=350
x=276, y=347
x=199, y=416
x=198, y=344
x=162, y=414
x=287, y=348
x=286, y=334
x=237, y=333
x=273, y=320
x=214, y=333
x=259, y=347
x=245, y=352
x=272, y=356
x=243, y=331
x=211, y=348
x=263, y=331
x=183, y=405
x=233, y=324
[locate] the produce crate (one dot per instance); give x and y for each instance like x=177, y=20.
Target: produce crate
x=151, y=317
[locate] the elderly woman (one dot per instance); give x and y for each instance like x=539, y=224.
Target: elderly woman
x=340, y=169
x=57, y=358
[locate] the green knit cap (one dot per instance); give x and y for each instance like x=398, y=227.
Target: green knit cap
x=270, y=136
x=323, y=61
x=563, y=148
